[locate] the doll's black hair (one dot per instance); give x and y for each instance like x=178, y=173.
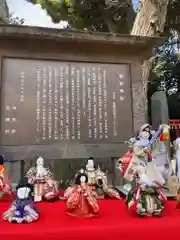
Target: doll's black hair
x=1, y=160
x=78, y=178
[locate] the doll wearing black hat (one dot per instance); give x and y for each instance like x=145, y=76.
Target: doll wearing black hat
x=22, y=209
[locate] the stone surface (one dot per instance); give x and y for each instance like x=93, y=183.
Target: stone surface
x=56, y=45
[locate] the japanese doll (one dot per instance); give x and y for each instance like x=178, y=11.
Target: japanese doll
x=44, y=187
x=81, y=198
x=146, y=181
x=6, y=192
x=22, y=209
x=98, y=179
x=146, y=192
x=141, y=149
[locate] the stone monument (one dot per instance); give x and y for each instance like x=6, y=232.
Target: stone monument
x=69, y=94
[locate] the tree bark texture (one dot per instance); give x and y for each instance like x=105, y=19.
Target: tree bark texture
x=150, y=21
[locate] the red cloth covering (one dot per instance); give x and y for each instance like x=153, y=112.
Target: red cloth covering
x=115, y=222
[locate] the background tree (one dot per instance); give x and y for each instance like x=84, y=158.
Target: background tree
x=93, y=15
x=164, y=74
x=107, y=15
x=15, y=20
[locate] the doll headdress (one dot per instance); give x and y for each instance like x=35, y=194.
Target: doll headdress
x=99, y=173
x=24, y=190
x=24, y=183
x=146, y=126
x=98, y=170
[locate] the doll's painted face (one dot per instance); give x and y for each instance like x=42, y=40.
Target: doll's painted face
x=90, y=165
x=40, y=161
x=144, y=134
x=82, y=179
x=23, y=192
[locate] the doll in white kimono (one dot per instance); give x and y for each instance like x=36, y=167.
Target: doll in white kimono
x=45, y=188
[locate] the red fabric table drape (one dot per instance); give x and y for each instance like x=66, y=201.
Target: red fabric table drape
x=114, y=222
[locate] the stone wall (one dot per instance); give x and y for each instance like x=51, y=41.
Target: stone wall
x=62, y=45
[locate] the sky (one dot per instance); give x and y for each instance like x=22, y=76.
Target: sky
x=33, y=14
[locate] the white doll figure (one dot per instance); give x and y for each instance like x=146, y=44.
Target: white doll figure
x=44, y=186
x=41, y=171
x=90, y=165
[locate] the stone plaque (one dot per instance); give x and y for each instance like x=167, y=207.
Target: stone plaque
x=46, y=102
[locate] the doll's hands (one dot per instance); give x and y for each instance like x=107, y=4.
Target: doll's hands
x=146, y=150
x=79, y=190
x=162, y=126
x=31, y=180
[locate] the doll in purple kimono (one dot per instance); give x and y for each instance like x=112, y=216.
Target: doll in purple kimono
x=22, y=209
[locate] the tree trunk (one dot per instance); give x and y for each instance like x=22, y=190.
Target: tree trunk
x=150, y=21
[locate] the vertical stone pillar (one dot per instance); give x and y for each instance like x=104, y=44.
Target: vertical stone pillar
x=159, y=109
x=160, y=114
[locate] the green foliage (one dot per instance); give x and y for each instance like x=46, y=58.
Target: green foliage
x=102, y=15
x=165, y=75
x=15, y=20
x=93, y=15
x=164, y=66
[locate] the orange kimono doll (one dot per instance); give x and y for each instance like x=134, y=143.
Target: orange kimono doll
x=6, y=192
x=81, y=199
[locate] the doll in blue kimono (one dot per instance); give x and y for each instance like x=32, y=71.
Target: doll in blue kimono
x=22, y=209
